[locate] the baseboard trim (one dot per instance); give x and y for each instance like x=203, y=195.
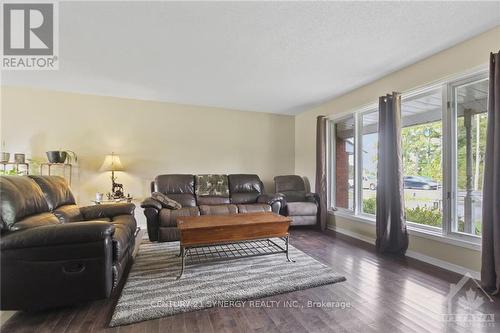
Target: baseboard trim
x=443, y=264
x=413, y=254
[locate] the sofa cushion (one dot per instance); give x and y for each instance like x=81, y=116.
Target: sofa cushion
x=175, y=183
x=212, y=185
x=56, y=190
x=289, y=183
x=244, y=198
x=245, y=183
x=294, y=196
x=168, y=217
x=21, y=197
x=68, y=213
x=126, y=221
x=186, y=200
x=291, y=186
x=301, y=208
x=253, y=208
x=177, y=187
x=245, y=188
x=36, y=220
x=165, y=201
x=218, y=209
x=212, y=201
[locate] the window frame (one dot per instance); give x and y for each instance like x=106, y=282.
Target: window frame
x=359, y=190
x=451, y=194
x=449, y=142
x=332, y=149
x=426, y=90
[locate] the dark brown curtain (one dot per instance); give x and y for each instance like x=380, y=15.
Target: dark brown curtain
x=320, y=185
x=392, y=236
x=490, y=269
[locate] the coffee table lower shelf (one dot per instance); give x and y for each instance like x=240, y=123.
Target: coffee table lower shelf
x=199, y=254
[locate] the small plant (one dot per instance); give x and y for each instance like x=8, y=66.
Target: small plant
x=71, y=156
x=477, y=227
x=370, y=206
x=11, y=172
x=424, y=215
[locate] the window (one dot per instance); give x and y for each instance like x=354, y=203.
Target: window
x=344, y=163
x=470, y=100
x=443, y=146
x=421, y=136
x=369, y=160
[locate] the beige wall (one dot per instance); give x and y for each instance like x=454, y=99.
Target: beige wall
x=460, y=58
x=151, y=137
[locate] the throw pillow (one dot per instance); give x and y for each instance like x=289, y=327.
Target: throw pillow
x=166, y=201
x=212, y=185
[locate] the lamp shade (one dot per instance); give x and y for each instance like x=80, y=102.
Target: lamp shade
x=112, y=163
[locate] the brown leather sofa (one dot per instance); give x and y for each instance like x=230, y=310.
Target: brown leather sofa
x=245, y=196
x=301, y=206
x=55, y=253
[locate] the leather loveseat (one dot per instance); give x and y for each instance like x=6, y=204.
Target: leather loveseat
x=240, y=193
x=300, y=205
x=55, y=253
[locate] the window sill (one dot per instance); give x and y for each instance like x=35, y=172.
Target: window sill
x=415, y=230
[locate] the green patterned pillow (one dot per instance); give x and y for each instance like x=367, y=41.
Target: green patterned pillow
x=212, y=185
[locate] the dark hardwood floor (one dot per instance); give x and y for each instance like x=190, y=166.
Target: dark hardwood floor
x=384, y=294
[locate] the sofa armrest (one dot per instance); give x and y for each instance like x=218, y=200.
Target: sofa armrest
x=57, y=234
x=151, y=203
x=312, y=197
x=153, y=222
x=275, y=200
x=106, y=211
x=270, y=198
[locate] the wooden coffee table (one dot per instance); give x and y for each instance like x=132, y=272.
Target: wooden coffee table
x=213, y=230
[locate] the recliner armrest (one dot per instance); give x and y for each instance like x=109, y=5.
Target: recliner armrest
x=57, y=234
x=107, y=211
x=270, y=198
x=151, y=203
x=312, y=197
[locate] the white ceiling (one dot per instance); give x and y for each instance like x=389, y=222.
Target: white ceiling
x=280, y=57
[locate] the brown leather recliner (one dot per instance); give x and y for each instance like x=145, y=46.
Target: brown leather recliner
x=55, y=253
x=245, y=195
x=301, y=206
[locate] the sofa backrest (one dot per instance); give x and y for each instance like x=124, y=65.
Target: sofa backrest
x=291, y=186
x=245, y=188
x=56, y=191
x=177, y=187
x=22, y=198
x=212, y=189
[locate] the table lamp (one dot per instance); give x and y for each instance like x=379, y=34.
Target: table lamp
x=112, y=163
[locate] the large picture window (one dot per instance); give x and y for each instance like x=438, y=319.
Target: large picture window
x=369, y=150
x=443, y=144
x=470, y=100
x=422, y=151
